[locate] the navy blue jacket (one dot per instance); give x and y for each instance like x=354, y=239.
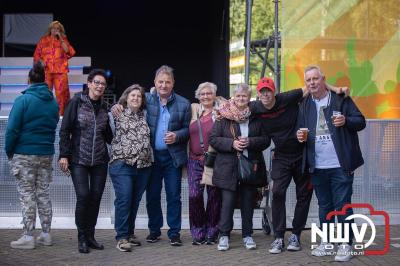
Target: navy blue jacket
x=345, y=138
x=180, y=115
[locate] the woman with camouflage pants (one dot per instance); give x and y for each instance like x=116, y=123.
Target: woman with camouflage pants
x=29, y=145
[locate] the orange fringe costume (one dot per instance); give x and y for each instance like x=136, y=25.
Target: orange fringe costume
x=51, y=53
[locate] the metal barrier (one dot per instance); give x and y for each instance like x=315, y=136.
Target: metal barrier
x=377, y=183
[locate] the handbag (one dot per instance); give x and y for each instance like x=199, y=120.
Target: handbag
x=249, y=170
x=211, y=154
x=206, y=178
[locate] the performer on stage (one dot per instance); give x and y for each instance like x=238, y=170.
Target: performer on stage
x=54, y=50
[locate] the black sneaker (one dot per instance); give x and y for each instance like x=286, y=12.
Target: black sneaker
x=132, y=240
x=175, y=241
x=152, y=238
x=197, y=242
x=211, y=241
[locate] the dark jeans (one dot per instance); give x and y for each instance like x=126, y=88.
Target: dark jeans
x=229, y=198
x=334, y=189
x=164, y=168
x=284, y=168
x=129, y=184
x=89, y=182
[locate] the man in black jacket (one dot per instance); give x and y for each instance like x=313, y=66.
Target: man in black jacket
x=332, y=151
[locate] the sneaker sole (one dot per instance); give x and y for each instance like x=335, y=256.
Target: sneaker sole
x=275, y=251
x=152, y=241
x=251, y=248
x=223, y=248
x=124, y=250
x=290, y=248
x=176, y=244
x=22, y=247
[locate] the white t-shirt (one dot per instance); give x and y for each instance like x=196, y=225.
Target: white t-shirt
x=325, y=153
x=244, y=131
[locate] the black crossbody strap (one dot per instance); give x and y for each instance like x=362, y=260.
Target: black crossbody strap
x=200, y=133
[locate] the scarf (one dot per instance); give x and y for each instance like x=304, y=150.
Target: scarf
x=230, y=111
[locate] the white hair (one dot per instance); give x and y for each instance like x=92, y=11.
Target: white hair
x=242, y=87
x=203, y=85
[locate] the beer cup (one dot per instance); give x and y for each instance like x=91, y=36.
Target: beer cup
x=304, y=131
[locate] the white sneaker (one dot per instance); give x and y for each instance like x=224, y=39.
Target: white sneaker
x=249, y=243
x=223, y=243
x=24, y=242
x=344, y=253
x=276, y=246
x=124, y=245
x=293, y=243
x=44, y=239
x=324, y=249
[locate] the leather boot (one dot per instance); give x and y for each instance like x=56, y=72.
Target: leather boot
x=91, y=241
x=82, y=243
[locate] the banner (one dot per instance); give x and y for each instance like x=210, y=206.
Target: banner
x=355, y=42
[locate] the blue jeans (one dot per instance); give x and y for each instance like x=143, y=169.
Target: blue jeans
x=129, y=184
x=164, y=168
x=333, y=188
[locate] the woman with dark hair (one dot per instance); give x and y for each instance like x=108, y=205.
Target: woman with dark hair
x=54, y=50
x=131, y=159
x=29, y=145
x=83, y=150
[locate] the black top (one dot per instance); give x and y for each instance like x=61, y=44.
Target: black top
x=280, y=121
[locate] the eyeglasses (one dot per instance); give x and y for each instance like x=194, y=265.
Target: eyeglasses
x=99, y=83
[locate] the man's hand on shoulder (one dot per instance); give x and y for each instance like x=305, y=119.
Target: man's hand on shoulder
x=117, y=110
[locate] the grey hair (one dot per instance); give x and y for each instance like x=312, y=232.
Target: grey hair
x=164, y=69
x=312, y=67
x=243, y=87
x=203, y=85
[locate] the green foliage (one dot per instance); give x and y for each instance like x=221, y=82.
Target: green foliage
x=261, y=28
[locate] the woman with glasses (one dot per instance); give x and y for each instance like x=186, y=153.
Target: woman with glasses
x=83, y=151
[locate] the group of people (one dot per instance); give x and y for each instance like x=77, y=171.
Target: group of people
x=314, y=130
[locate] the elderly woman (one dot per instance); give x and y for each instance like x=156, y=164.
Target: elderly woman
x=236, y=132
x=84, y=132
x=131, y=159
x=203, y=221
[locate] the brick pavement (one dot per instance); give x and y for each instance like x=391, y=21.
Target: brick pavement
x=64, y=252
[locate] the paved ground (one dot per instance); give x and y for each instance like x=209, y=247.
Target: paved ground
x=64, y=252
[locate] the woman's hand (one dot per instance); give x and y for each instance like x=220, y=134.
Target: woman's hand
x=63, y=164
x=240, y=144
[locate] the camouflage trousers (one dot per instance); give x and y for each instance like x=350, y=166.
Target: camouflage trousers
x=33, y=177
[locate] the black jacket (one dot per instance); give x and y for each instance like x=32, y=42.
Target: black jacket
x=85, y=132
x=344, y=138
x=226, y=173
